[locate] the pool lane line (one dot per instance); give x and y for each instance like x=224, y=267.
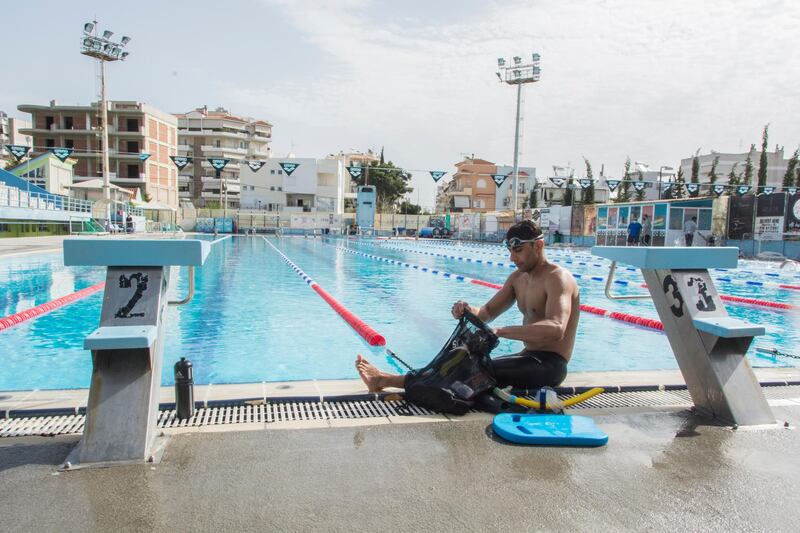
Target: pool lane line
x=645, y=322
x=39, y=310
x=372, y=337
x=217, y=241
x=725, y=297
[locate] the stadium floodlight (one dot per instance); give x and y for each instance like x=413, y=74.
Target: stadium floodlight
x=103, y=49
x=518, y=74
x=125, y=40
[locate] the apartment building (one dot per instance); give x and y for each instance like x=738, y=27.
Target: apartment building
x=314, y=185
x=472, y=188
x=218, y=134
x=140, y=137
x=10, y=134
x=349, y=191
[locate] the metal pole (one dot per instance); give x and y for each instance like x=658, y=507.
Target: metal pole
x=659, y=182
x=516, y=153
x=104, y=125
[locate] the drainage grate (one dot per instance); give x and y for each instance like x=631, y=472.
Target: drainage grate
x=285, y=411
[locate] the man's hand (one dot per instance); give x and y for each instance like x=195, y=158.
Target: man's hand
x=459, y=307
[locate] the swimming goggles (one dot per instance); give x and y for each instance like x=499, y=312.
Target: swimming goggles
x=516, y=242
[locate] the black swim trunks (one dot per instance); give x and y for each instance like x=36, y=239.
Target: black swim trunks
x=530, y=369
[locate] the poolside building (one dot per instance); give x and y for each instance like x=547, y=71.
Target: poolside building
x=314, y=185
x=141, y=139
x=776, y=166
x=472, y=189
x=204, y=134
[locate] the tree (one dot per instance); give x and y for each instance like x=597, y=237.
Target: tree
x=566, y=199
x=407, y=208
x=733, y=178
x=588, y=192
x=712, y=175
x=639, y=194
x=748, y=166
x=791, y=169
x=679, y=181
x=533, y=199
x=762, y=162
x=624, y=192
x=695, y=169
x=391, y=183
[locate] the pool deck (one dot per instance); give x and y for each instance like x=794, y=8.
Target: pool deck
x=661, y=471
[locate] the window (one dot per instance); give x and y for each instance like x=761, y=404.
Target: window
x=218, y=143
x=48, y=122
x=272, y=171
x=132, y=124
x=44, y=227
x=675, y=218
x=69, y=143
x=133, y=171
x=133, y=147
x=4, y=228
x=272, y=188
x=280, y=172
x=50, y=143
x=68, y=124
x=241, y=144
x=280, y=188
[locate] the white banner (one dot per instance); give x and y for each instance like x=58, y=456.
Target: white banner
x=769, y=228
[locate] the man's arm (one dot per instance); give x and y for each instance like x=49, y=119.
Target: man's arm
x=496, y=306
x=556, y=317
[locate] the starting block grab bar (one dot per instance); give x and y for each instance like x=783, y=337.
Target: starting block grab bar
x=610, y=281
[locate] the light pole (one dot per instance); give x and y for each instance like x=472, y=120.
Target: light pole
x=103, y=49
x=518, y=74
x=660, y=170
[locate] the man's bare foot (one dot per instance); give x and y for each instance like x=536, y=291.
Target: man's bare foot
x=371, y=376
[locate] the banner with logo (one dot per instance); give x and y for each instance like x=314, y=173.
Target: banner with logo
x=355, y=172
x=180, y=161
x=289, y=167
x=218, y=163
x=612, y=184
x=638, y=186
x=62, y=153
x=437, y=175
x=768, y=190
x=741, y=190
x=255, y=166
x=585, y=183
x=499, y=179
x=558, y=182
x=793, y=213
x=144, y=156
x=693, y=189
x=719, y=189
x=18, y=150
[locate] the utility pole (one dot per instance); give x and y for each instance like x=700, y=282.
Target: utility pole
x=518, y=74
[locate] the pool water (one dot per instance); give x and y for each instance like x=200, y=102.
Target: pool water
x=254, y=319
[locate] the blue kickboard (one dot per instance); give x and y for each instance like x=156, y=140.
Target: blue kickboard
x=549, y=430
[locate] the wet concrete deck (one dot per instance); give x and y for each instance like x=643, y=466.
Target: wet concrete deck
x=661, y=471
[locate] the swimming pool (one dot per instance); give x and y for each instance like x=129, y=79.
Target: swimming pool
x=254, y=319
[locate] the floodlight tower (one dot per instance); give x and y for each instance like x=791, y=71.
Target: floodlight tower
x=103, y=49
x=518, y=73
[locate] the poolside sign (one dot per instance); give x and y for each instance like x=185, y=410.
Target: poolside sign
x=742, y=189
x=289, y=167
x=638, y=185
x=499, y=179
x=612, y=184
x=180, y=161
x=692, y=189
x=558, y=182
x=585, y=183
x=719, y=189
x=218, y=163
x=61, y=153
x=437, y=175
x=17, y=150
x=355, y=172
x=255, y=166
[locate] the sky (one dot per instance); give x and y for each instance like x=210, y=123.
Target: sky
x=653, y=81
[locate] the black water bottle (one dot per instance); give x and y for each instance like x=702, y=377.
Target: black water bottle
x=184, y=389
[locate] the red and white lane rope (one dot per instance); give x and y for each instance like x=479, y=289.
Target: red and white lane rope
x=650, y=323
x=372, y=337
x=22, y=316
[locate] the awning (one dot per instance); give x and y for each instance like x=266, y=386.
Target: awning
x=153, y=206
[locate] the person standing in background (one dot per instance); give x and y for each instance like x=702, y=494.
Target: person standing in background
x=647, y=230
x=688, y=230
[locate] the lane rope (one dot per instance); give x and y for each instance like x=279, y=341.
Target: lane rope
x=39, y=310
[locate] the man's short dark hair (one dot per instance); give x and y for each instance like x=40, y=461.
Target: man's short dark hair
x=523, y=230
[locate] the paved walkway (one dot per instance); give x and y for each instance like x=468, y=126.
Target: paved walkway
x=667, y=471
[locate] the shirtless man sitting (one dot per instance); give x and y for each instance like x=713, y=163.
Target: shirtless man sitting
x=548, y=298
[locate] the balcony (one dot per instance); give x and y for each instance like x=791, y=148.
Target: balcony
x=208, y=150
x=126, y=133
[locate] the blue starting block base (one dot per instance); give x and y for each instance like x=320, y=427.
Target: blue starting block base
x=549, y=430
